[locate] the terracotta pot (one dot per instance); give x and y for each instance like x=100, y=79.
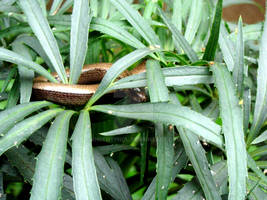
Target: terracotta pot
x=250, y=13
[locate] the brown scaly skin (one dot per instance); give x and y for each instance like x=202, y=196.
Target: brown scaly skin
x=80, y=93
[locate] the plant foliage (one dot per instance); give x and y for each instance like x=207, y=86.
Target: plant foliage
x=201, y=134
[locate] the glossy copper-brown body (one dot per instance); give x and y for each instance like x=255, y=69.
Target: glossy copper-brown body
x=80, y=93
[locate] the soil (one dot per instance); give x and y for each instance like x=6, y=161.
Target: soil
x=250, y=13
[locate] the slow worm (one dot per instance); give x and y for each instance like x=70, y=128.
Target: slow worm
x=80, y=93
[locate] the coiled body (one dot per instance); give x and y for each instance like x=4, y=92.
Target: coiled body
x=80, y=93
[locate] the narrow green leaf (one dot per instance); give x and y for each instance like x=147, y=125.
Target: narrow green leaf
x=42, y=30
x=12, y=74
x=55, y=7
x=196, y=154
x=211, y=47
x=83, y=166
x=24, y=160
x=144, y=148
x=199, y=161
x=255, y=191
x=253, y=177
x=179, y=162
x=149, y=9
x=205, y=24
x=110, y=177
x=253, y=166
x=250, y=32
x=15, y=114
x=260, y=151
x=261, y=97
x=177, y=14
x=246, y=108
x=13, y=57
x=174, y=76
x=43, y=6
x=33, y=43
x=7, y=6
x=238, y=71
x=193, y=88
x=105, y=9
x=113, y=148
x=26, y=75
x=137, y=21
x=165, y=153
x=178, y=38
x=169, y=114
x=13, y=95
x=194, y=103
x=80, y=21
x=212, y=110
x=192, y=190
x=261, y=138
x=7, y=2
x=227, y=47
x=158, y=91
x=122, y=131
x=66, y=5
x=262, y=164
x=24, y=129
x=94, y=7
x=14, y=30
x=116, y=69
x=3, y=195
x=3, y=96
x=232, y=126
x=194, y=20
x=116, y=31
x=49, y=170
x=186, y=8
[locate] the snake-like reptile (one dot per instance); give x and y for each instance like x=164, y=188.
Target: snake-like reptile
x=80, y=93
